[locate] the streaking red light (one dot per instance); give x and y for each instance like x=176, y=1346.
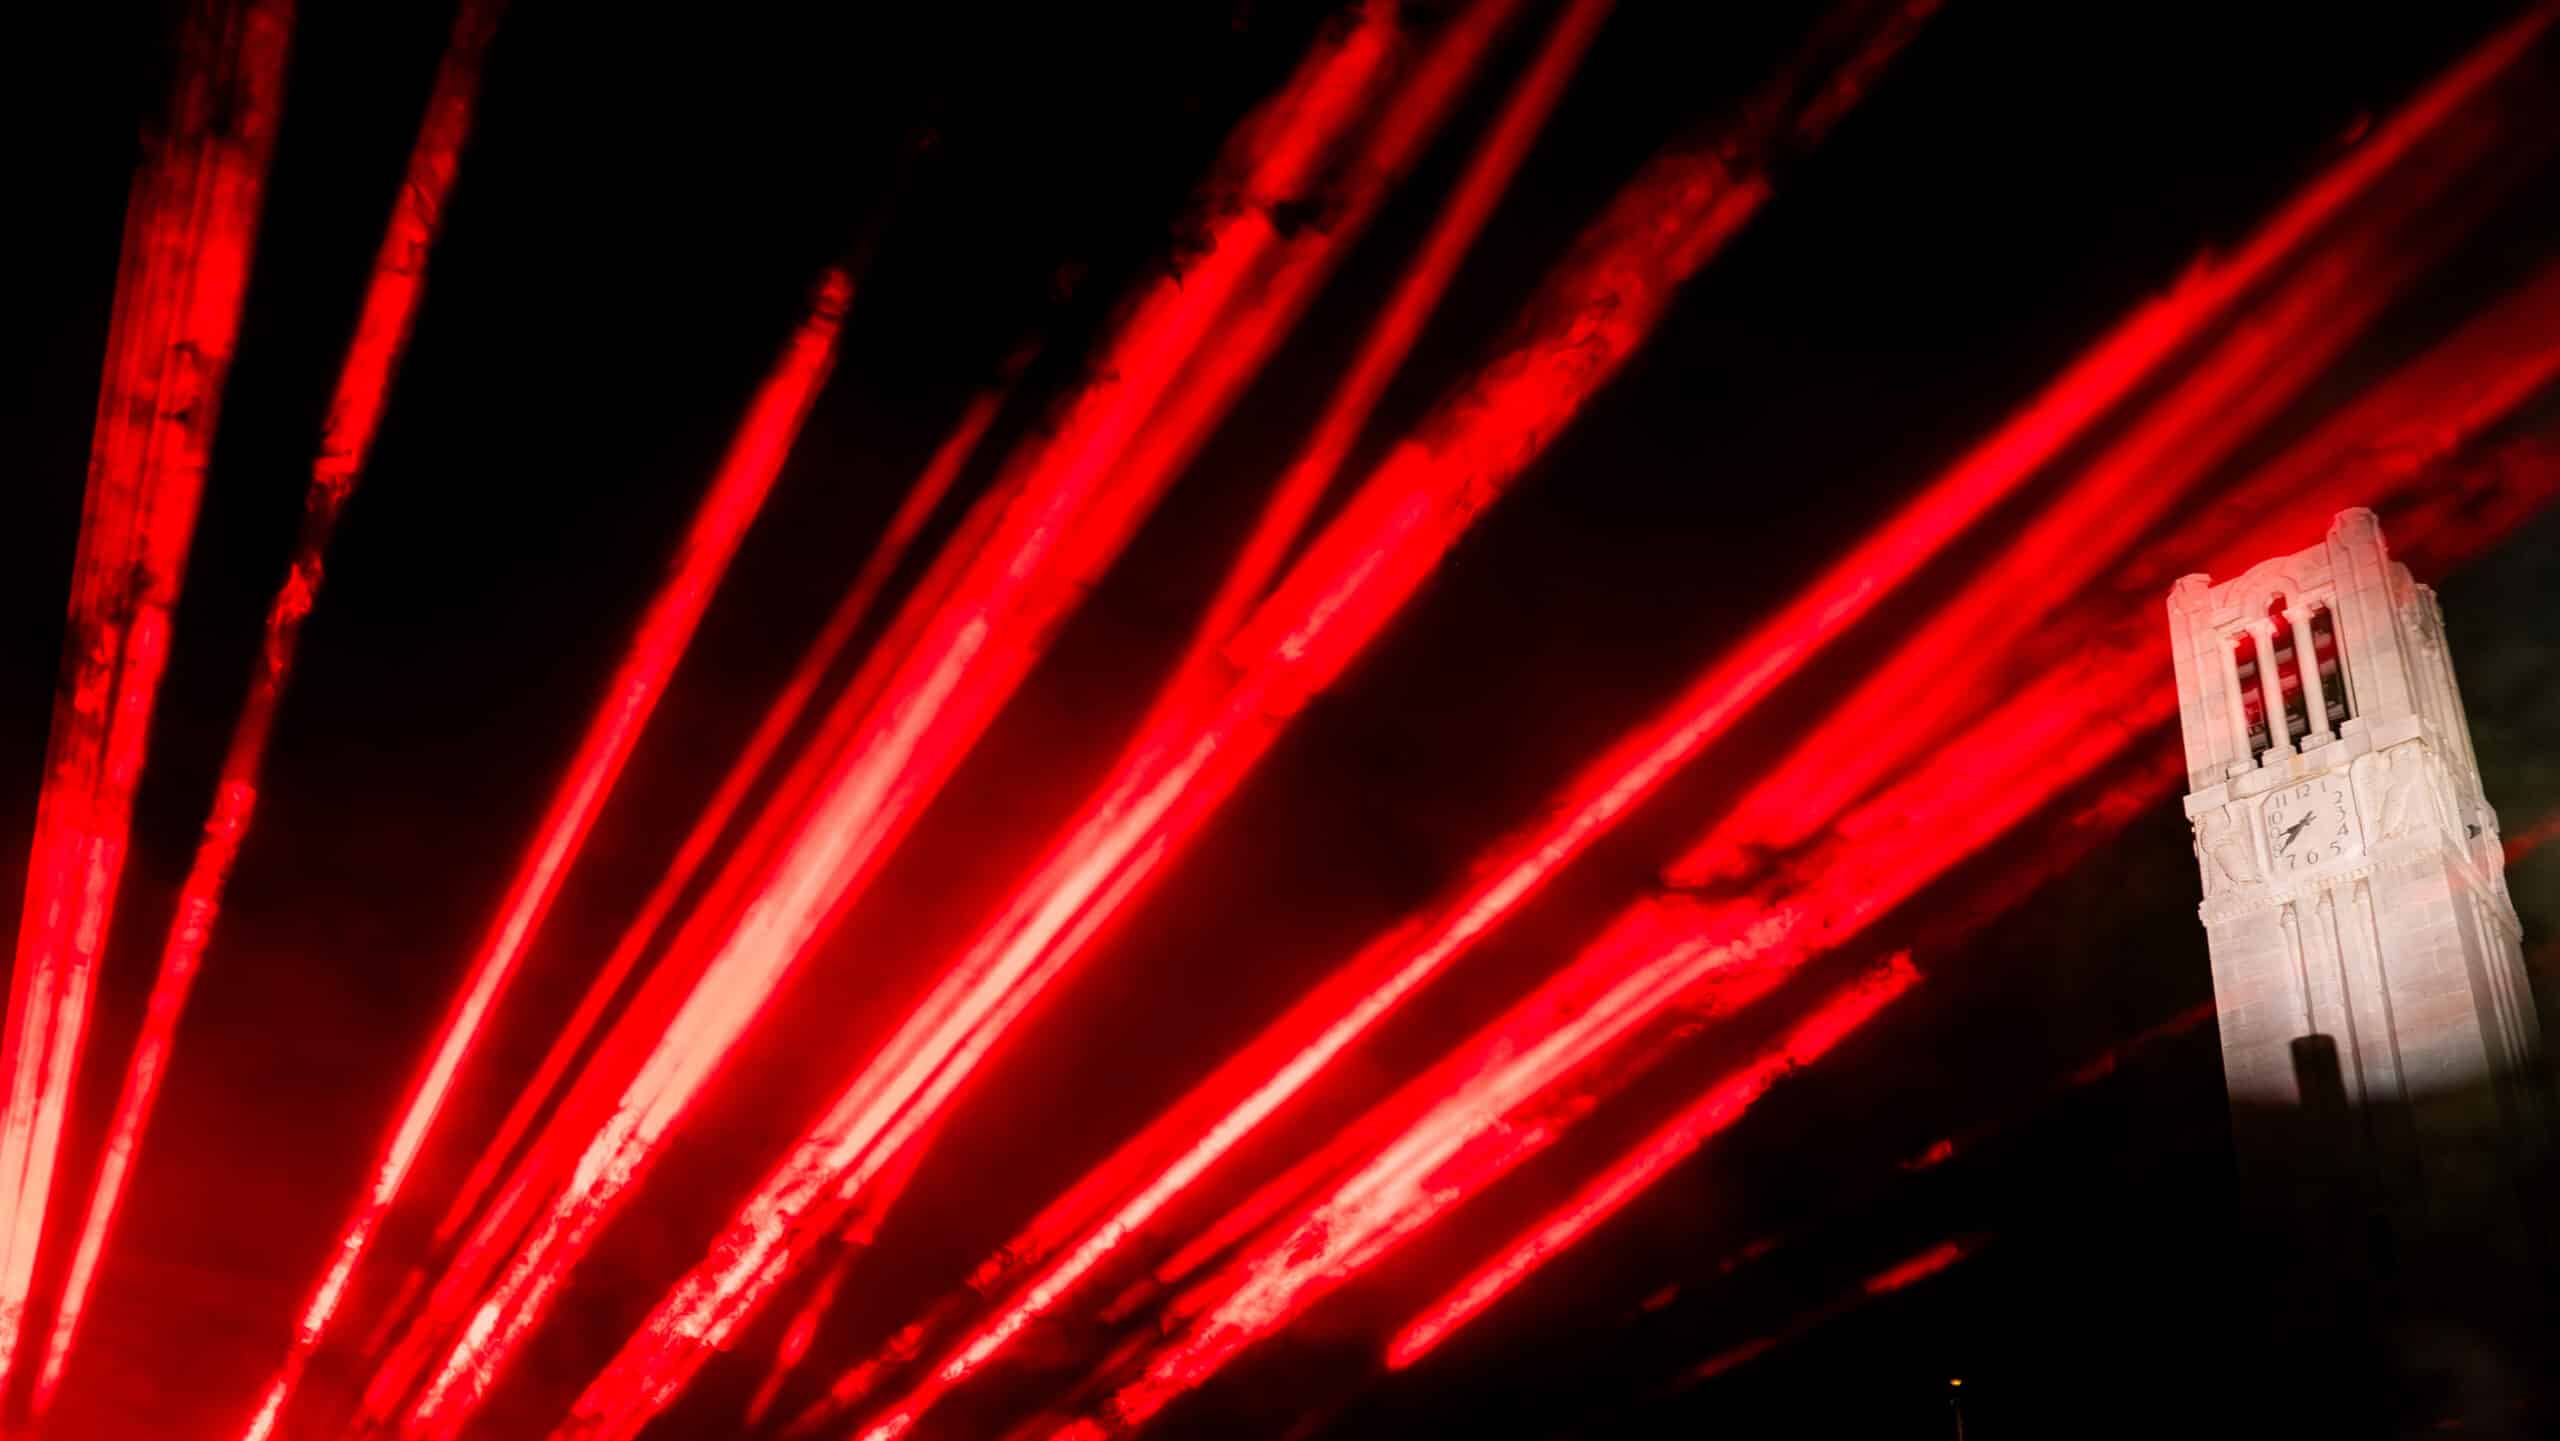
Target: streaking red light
x=1908, y=1272
x=968, y=635
x=1669, y=1144
x=2532, y=838
x=355, y=411
x=503, y=1222
x=2039, y=682
x=2287, y=339
x=1501, y=1099
x=1629, y=772
x=738, y=490
x=2076, y=716
x=191, y=223
x=825, y=650
x=2478, y=374
x=1351, y=580
x=1303, y=484
x=1508, y=407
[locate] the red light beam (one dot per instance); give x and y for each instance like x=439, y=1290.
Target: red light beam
x=1504, y=1095
x=1029, y=553
x=190, y=227
x=825, y=650
x=1508, y=1093
x=1605, y=791
x=1900, y=1276
x=2469, y=382
x=1833, y=1018
x=355, y=412
x=2271, y=355
x=1481, y=1114
x=738, y=490
x=780, y=721
x=1602, y=303
x=1400, y=322
x=1382, y=352
x=1053, y=1232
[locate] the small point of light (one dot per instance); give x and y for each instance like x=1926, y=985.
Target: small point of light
x=1955, y=1380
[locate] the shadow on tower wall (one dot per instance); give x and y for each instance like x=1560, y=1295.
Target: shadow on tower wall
x=2401, y=1260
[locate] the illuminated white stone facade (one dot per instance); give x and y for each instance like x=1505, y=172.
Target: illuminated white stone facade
x=2366, y=956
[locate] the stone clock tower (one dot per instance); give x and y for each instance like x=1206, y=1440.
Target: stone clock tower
x=2378, y=1031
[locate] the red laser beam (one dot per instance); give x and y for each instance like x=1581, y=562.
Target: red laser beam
x=1381, y=353
x=1845, y=1010
x=1903, y=1275
x=972, y=630
x=2113, y=687
x=1376, y=538
x=190, y=228
x=1350, y=582
x=941, y=471
x=2389, y=447
x=1983, y=478
x=2469, y=382
x=2317, y=303
x=1179, y=773
x=1399, y=136
x=1471, y=203
x=2532, y=838
x=1900, y=1276
x=505, y=1219
x=738, y=490
x=2076, y=718
x=390, y=306
x=2284, y=343
x=1670, y=1145
x=780, y=719
x=1474, y=1116
x=1506, y=1095
x=1052, y=1232
x=2088, y=1073
x=1939, y=1152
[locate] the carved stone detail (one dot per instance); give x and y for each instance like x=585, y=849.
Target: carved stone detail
x=2398, y=788
x=2226, y=849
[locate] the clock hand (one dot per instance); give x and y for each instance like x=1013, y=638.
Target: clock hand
x=2296, y=829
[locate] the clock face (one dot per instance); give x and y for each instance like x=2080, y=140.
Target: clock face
x=2311, y=824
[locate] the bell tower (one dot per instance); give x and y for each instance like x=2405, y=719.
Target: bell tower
x=2378, y=1032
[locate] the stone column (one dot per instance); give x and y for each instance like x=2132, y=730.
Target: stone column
x=2292, y=928
x=2241, y=760
x=2306, y=659
x=2191, y=643
x=2271, y=686
x=2368, y=632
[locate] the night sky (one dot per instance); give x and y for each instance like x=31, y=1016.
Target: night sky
x=644, y=204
